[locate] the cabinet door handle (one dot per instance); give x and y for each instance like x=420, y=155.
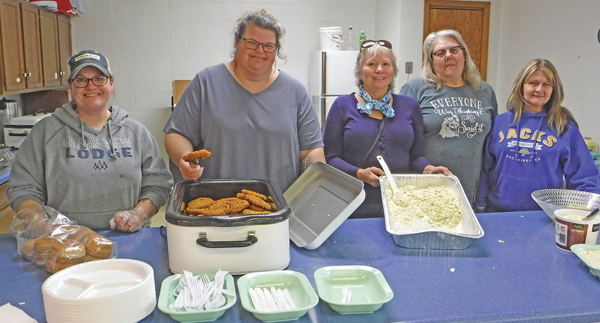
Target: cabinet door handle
x=25, y=74
x=29, y=74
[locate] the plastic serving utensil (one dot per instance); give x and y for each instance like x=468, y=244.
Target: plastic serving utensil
x=397, y=195
x=591, y=215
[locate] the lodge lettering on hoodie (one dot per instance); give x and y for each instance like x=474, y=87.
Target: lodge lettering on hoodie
x=97, y=153
x=96, y=148
x=526, y=134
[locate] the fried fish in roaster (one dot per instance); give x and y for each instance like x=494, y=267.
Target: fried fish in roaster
x=251, y=212
x=256, y=208
x=200, y=203
x=194, y=211
x=254, y=200
x=229, y=205
x=197, y=206
x=194, y=156
x=264, y=198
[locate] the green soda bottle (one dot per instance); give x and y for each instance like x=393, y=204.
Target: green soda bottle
x=361, y=39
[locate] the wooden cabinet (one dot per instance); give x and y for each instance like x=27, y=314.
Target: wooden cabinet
x=13, y=62
x=30, y=21
x=49, y=40
x=34, y=48
x=64, y=47
x=6, y=213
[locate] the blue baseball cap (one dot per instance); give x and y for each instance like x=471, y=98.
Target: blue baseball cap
x=88, y=57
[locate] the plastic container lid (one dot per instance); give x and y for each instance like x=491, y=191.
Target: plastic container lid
x=320, y=200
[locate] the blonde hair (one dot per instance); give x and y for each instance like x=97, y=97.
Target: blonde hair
x=470, y=73
x=558, y=116
x=367, y=53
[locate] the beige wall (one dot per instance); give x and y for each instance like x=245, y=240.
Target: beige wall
x=152, y=42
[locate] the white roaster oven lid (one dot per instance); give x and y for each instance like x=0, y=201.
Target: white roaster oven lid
x=29, y=120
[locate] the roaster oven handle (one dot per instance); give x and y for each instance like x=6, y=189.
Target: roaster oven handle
x=203, y=241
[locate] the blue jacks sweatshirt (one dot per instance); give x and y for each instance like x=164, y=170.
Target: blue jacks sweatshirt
x=527, y=156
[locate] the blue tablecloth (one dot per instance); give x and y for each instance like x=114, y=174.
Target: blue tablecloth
x=4, y=176
x=513, y=273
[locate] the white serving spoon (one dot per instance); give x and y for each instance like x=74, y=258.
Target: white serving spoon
x=397, y=195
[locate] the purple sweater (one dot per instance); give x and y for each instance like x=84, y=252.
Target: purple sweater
x=349, y=134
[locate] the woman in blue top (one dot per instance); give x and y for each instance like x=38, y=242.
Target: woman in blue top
x=535, y=145
x=354, y=121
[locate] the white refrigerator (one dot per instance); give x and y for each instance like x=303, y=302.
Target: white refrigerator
x=331, y=75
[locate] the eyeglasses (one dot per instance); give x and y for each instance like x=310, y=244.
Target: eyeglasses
x=370, y=43
x=442, y=52
x=253, y=44
x=80, y=82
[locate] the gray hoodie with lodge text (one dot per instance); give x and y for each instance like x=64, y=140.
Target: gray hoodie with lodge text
x=87, y=174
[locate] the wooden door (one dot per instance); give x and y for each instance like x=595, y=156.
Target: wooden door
x=49, y=41
x=30, y=19
x=64, y=46
x=13, y=65
x=471, y=19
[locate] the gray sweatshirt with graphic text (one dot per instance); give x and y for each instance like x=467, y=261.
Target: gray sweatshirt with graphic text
x=87, y=174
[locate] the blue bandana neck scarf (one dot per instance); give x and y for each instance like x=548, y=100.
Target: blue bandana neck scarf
x=382, y=105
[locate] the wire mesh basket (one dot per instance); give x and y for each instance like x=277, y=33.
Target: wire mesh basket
x=553, y=199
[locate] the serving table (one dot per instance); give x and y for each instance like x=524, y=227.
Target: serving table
x=513, y=273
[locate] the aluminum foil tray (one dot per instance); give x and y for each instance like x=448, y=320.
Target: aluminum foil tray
x=459, y=237
x=321, y=199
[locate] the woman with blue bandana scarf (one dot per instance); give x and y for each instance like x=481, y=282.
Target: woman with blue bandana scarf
x=360, y=126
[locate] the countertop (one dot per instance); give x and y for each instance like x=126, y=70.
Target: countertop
x=513, y=273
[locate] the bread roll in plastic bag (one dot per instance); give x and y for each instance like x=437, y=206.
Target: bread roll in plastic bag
x=52, y=240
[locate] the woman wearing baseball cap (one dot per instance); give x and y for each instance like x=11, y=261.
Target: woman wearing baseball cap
x=89, y=161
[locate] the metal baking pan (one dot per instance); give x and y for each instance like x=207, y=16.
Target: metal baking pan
x=459, y=237
x=320, y=200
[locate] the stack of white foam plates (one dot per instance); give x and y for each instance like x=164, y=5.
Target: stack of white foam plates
x=112, y=290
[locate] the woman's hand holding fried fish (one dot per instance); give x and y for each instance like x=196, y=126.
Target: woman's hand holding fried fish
x=188, y=164
x=190, y=170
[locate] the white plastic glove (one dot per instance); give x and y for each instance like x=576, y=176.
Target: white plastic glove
x=129, y=220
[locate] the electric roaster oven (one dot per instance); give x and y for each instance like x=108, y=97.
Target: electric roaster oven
x=236, y=243
x=18, y=128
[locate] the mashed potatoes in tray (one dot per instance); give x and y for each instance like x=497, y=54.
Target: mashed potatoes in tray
x=434, y=207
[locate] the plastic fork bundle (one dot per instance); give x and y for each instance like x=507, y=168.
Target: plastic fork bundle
x=272, y=299
x=197, y=293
